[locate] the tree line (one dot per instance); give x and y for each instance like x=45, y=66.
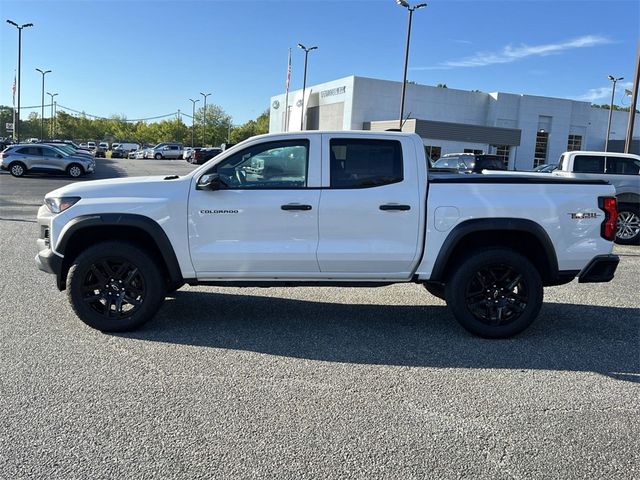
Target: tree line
x=81, y=127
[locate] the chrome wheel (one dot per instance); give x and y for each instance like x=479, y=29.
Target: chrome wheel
x=17, y=170
x=74, y=171
x=628, y=225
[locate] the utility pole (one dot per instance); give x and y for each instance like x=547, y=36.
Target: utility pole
x=613, y=92
x=42, y=113
x=52, y=118
x=633, y=105
x=204, y=118
x=16, y=125
x=304, y=82
x=193, y=118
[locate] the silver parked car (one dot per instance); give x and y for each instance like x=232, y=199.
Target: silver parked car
x=26, y=158
x=168, y=150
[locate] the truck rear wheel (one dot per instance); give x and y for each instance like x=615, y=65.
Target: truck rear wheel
x=115, y=286
x=495, y=293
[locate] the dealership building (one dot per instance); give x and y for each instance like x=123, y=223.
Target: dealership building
x=525, y=130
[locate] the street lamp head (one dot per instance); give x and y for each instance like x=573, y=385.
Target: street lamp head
x=420, y=5
x=302, y=46
x=312, y=48
x=27, y=25
x=402, y=3
x=610, y=77
x=13, y=23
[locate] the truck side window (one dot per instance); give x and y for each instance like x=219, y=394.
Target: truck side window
x=280, y=164
x=362, y=163
x=622, y=166
x=588, y=164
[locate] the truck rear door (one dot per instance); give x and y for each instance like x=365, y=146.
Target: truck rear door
x=370, y=206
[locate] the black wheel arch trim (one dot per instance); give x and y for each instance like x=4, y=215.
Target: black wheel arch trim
x=467, y=227
x=146, y=224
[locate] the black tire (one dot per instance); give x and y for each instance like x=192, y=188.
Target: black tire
x=495, y=293
x=436, y=290
x=75, y=170
x=17, y=169
x=628, y=231
x=115, y=286
x=158, y=156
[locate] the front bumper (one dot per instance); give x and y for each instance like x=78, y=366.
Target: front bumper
x=600, y=269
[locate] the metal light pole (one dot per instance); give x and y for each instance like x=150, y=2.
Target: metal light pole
x=16, y=127
x=55, y=118
x=42, y=114
x=51, y=119
x=634, y=102
x=404, y=4
x=193, y=118
x=613, y=92
x=204, y=117
x=304, y=81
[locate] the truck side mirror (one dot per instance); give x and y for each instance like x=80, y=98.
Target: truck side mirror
x=209, y=182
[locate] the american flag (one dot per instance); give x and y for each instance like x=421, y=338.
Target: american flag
x=288, y=73
x=14, y=89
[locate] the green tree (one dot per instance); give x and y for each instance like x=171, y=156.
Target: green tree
x=253, y=127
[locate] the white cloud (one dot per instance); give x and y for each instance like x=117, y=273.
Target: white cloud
x=511, y=54
x=594, y=94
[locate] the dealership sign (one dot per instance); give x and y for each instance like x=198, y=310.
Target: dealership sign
x=332, y=91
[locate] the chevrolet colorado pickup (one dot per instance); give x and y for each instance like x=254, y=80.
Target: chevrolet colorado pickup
x=622, y=170
x=326, y=209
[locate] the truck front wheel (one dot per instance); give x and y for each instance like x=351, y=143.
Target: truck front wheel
x=495, y=293
x=115, y=286
x=628, y=232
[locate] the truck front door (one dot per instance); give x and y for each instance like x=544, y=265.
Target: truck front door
x=263, y=220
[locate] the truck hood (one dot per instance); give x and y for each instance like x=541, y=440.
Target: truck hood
x=155, y=186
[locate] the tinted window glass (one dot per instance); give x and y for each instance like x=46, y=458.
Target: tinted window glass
x=588, y=164
x=357, y=163
x=622, y=166
x=50, y=152
x=267, y=165
x=32, y=151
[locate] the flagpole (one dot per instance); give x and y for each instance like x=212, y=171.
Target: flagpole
x=286, y=96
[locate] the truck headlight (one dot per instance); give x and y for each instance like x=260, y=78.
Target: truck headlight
x=60, y=204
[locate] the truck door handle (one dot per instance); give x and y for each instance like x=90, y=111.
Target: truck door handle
x=393, y=206
x=295, y=206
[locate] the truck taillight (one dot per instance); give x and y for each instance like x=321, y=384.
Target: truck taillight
x=609, y=206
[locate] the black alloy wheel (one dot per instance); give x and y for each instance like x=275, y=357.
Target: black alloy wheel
x=496, y=293
x=115, y=286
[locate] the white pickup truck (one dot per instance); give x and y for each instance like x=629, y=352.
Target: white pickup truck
x=326, y=209
x=622, y=170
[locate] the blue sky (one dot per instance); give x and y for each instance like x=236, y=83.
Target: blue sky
x=147, y=58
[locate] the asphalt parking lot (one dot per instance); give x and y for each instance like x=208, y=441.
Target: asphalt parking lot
x=309, y=382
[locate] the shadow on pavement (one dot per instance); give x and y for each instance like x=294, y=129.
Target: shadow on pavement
x=564, y=337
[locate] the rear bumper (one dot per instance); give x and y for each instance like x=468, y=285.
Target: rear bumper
x=601, y=269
